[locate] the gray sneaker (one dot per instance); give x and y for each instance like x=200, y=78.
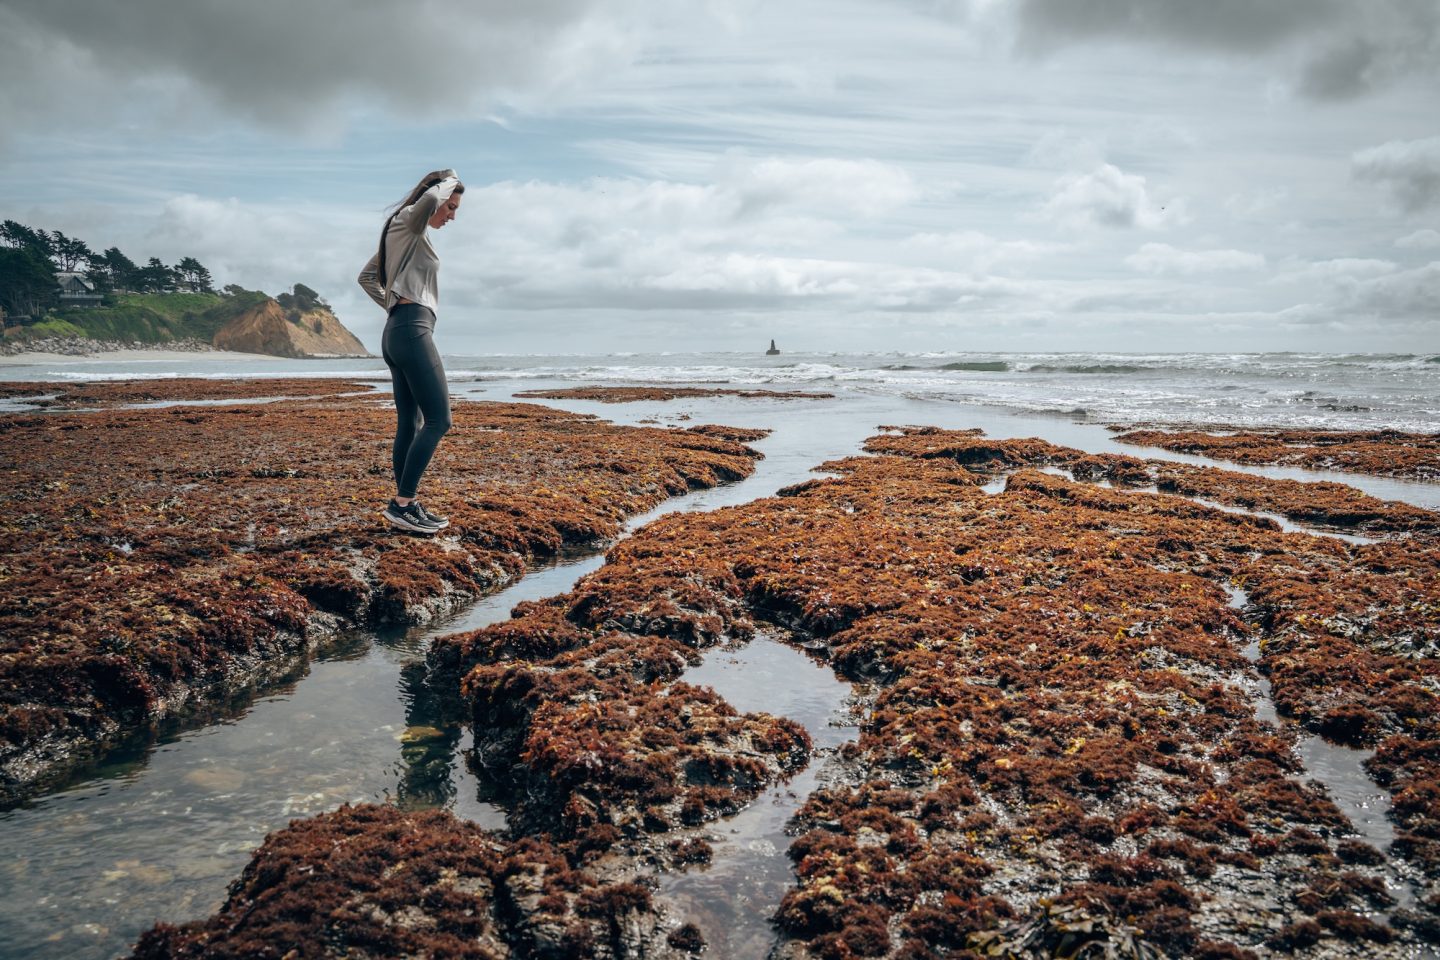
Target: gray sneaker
x=409, y=517
x=440, y=522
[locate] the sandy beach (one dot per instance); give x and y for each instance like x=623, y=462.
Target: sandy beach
x=1088, y=690
x=176, y=357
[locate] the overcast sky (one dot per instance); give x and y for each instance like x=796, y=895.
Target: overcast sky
x=1140, y=175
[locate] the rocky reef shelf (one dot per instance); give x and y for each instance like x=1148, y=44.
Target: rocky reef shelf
x=1381, y=453
x=1063, y=739
x=156, y=560
x=666, y=392
x=158, y=829
x=1083, y=715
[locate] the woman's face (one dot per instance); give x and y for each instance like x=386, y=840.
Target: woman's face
x=446, y=211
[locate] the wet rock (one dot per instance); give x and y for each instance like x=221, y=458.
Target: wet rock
x=158, y=559
x=373, y=881
x=1065, y=715
x=216, y=779
x=1380, y=452
x=635, y=394
x=109, y=393
x=1061, y=752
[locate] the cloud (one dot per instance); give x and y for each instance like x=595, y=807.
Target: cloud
x=1409, y=168
x=253, y=244
x=1425, y=239
x=1163, y=258
x=1374, y=44
x=296, y=66
x=1404, y=295
x=1219, y=24
x=730, y=243
x=978, y=252
x=857, y=187
x=1349, y=291
x=1338, y=272
x=1257, y=204
x=1108, y=197
x=1341, y=49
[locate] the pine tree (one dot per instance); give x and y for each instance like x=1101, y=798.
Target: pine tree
x=22, y=237
x=27, y=281
x=68, y=252
x=124, y=275
x=194, y=275
x=155, y=277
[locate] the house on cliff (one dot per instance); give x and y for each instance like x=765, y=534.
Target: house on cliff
x=76, y=291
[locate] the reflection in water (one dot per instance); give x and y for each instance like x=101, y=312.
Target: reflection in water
x=428, y=744
x=159, y=834
x=733, y=897
x=1341, y=770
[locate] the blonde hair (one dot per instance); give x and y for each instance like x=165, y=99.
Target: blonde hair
x=426, y=182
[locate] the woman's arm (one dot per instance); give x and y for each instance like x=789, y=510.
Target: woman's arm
x=370, y=280
x=418, y=213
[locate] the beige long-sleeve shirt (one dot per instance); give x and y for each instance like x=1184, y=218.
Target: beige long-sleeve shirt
x=412, y=267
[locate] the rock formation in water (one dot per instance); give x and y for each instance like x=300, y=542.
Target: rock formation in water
x=1064, y=749
x=1387, y=453
x=140, y=584
x=661, y=394
x=269, y=328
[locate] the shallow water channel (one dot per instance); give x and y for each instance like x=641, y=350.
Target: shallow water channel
x=158, y=831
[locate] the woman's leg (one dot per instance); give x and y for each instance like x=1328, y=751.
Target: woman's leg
x=407, y=411
x=424, y=376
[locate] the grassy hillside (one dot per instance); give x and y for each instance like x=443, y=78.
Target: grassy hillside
x=148, y=317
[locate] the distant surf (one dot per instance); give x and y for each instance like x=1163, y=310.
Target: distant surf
x=1335, y=391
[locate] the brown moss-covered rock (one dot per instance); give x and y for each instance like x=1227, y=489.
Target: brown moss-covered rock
x=1062, y=750
x=106, y=393
x=1377, y=452
x=1063, y=711
x=371, y=881
x=153, y=558
x=1320, y=503
x=578, y=707
x=661, y=393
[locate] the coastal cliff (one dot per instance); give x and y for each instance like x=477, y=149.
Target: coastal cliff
x=296, y=323
x=268, y=328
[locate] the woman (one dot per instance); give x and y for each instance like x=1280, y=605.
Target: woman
x=402, y=278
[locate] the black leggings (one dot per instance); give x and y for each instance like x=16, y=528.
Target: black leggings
x=422, y=399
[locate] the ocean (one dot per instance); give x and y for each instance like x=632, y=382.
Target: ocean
x=1332, y=391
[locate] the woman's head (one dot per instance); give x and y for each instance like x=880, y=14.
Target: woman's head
x=426, y=182
x=443, y=214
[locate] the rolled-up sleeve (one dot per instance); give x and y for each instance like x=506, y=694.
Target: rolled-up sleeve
x=370, y=280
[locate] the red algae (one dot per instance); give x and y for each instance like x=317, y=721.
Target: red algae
x=373, y=881
x=1061, y=753
x=636, y=394
x=1377, y=452
x=157, y=558
x=114, y=393
x=1061, y=687
x=577, y=703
